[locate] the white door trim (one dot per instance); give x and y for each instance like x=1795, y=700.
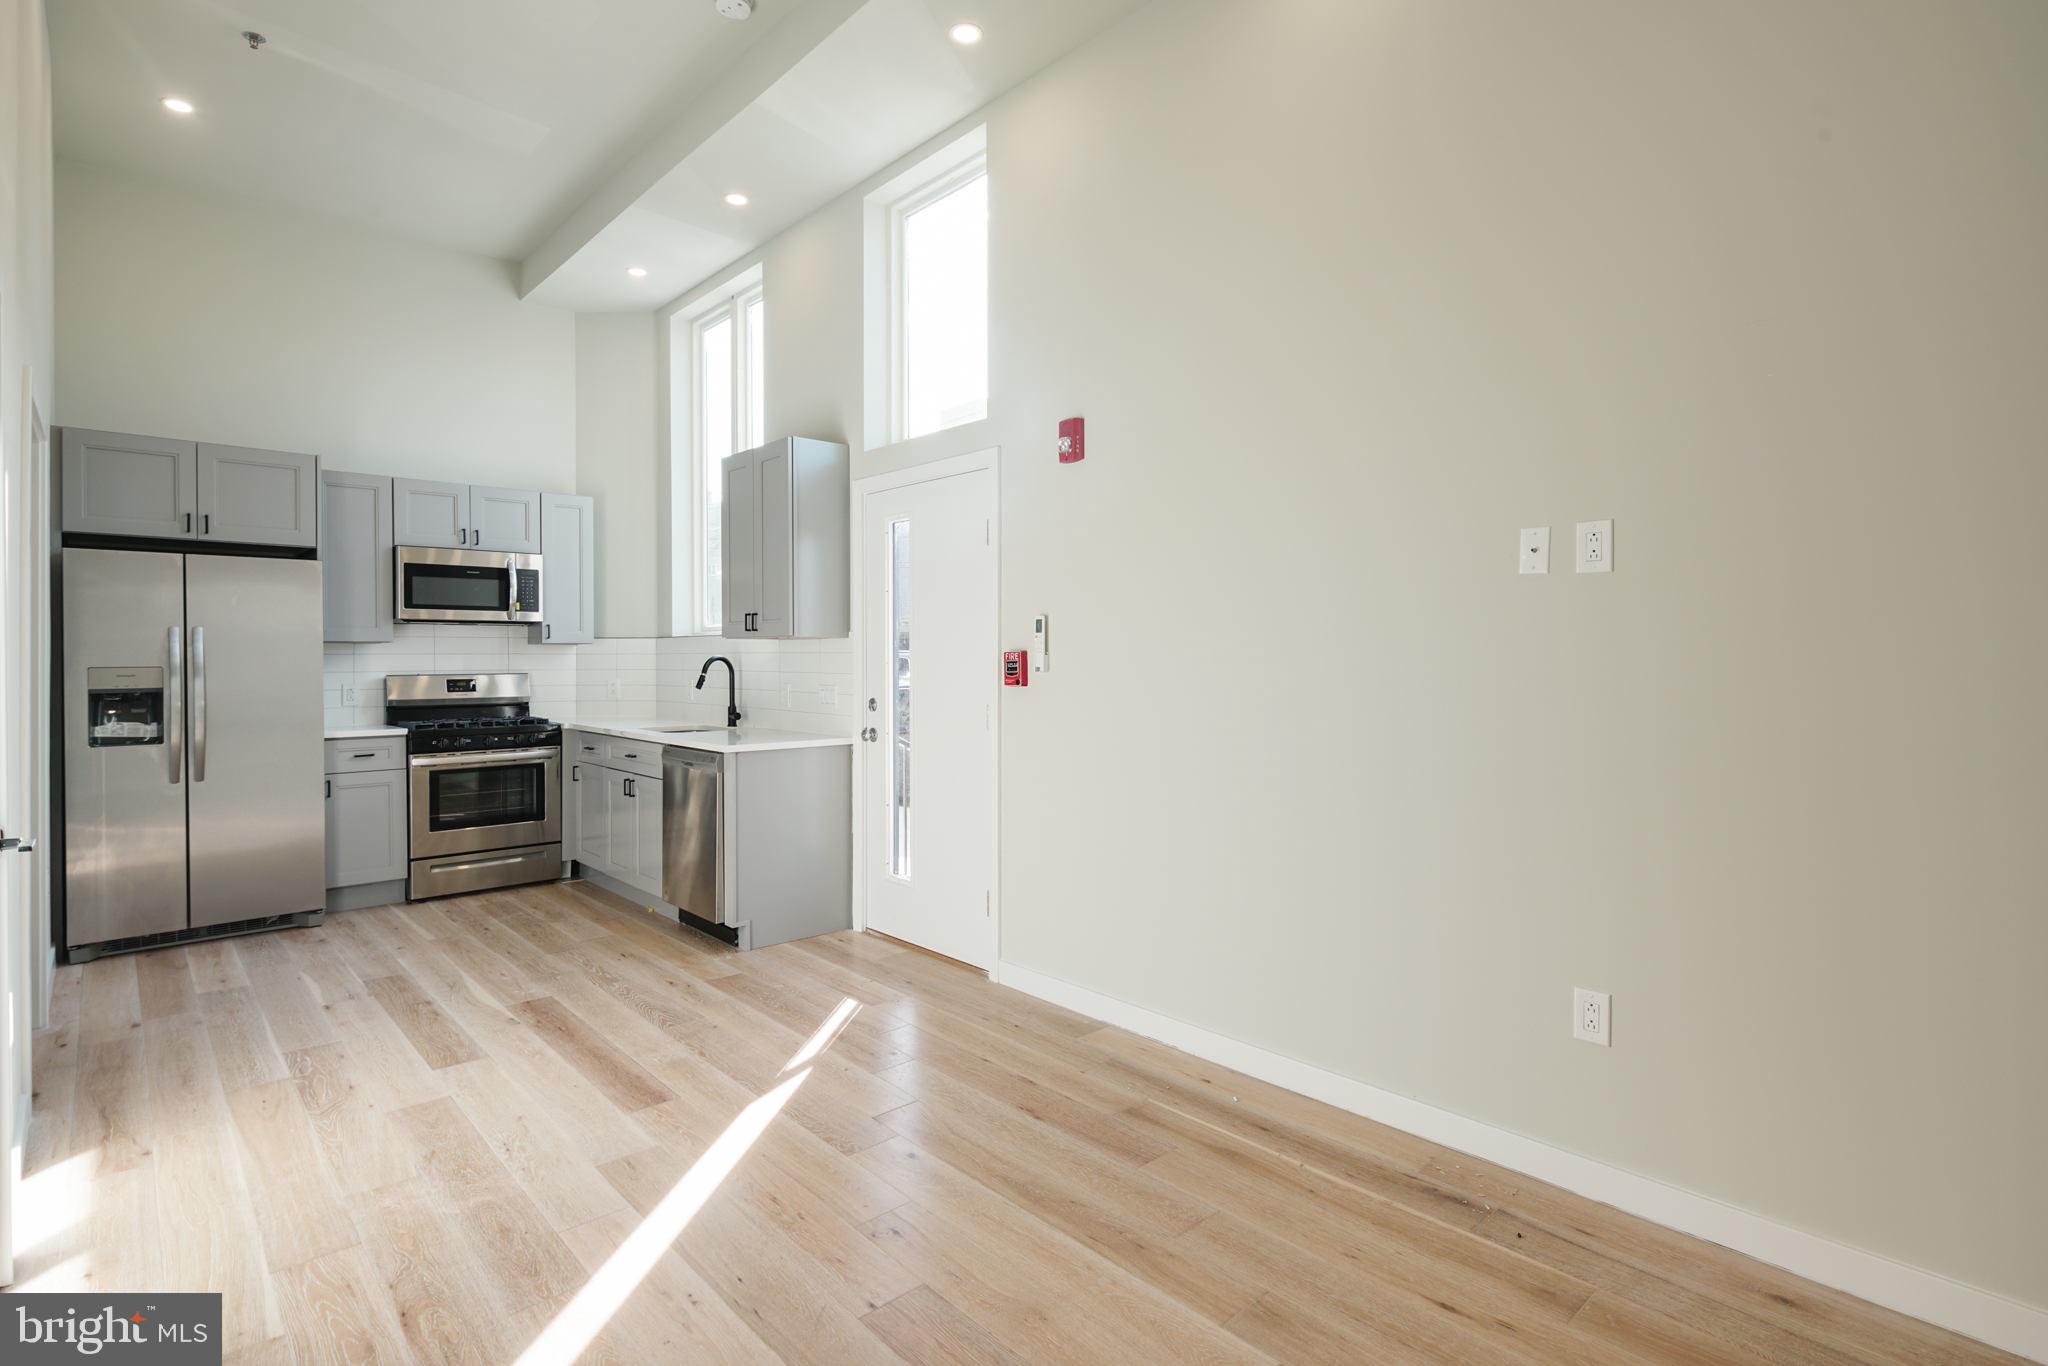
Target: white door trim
x=857, y=506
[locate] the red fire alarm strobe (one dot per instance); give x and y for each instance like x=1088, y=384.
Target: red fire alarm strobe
x=1071, y=446
x=1015, y=672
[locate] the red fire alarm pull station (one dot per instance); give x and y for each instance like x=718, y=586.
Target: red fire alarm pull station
x=1072, y=448
x=1015, y=674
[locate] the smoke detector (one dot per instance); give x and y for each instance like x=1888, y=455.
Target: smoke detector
x=736, y=9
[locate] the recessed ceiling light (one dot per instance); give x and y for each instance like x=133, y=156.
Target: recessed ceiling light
x=176, y=105
x=736, y=199
x=967, y=35
x=637, y=272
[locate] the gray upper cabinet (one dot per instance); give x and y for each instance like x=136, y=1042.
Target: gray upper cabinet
x=428, y=512
x=256, y=497
x=739, y=542
x=466, y=516
x=355, y=555
x=117, y=485
x=783, y=540
x=568, y=596
x=505, y=519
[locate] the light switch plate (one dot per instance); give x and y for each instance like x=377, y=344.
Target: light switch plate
x=1595, y=547
x=1535, y=551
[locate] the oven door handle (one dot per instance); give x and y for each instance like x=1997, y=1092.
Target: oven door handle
x=484, y=759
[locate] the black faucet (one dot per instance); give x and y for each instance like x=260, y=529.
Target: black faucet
x=732, y=687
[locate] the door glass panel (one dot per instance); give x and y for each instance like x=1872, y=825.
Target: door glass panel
x=466, y=798
x=899, y=699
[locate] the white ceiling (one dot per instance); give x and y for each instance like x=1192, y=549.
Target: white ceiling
x=476, y=124
x=576, y=136
x=881, y=83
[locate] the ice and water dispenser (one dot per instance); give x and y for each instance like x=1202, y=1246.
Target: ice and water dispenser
x=124, y=707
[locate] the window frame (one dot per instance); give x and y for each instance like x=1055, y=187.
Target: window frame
x=900, y=210
x=729, y=301
x=887, y=205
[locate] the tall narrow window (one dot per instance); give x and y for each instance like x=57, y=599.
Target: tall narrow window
x=945, y=308
x=925, y=295
x=727, y=390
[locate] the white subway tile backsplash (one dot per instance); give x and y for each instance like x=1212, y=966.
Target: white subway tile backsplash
x=806, y=685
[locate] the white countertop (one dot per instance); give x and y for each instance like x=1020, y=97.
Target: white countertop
x=363, y=732
x=720, y=741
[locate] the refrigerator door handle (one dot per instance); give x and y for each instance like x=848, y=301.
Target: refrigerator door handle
x=198, y=704
x=174, y=703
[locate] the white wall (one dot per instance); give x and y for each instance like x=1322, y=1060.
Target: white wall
x=1349, y=291
x=27, y=295
x=201, y=317
x=615, y=462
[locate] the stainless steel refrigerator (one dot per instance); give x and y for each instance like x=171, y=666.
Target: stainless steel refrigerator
x=193, y=732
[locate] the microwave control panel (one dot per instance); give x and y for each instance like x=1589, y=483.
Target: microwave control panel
x=526, y=595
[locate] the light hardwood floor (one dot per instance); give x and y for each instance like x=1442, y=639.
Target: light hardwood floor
x=543, y=1122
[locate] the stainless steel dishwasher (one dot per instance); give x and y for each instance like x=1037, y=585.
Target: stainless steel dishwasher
x=693, y=832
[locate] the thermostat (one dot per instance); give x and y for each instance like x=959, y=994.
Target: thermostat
x=1038, y=624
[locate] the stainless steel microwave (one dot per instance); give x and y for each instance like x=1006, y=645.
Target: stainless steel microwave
x=436, y=584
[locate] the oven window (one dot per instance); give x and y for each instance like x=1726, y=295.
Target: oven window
x=467, y=798
x=456, y=587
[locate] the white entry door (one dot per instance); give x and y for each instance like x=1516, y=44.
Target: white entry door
x=930, y=674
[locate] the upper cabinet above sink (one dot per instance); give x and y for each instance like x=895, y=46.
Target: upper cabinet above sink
x=466, y=516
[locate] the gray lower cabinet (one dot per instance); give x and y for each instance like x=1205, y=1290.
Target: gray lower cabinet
x=617, y=819
x=429, y=512
x=505, y=519
x=568, y=596
x=366, y=827
x=783, y=540
x=253, y=497
x=355, y=555
x=117, y=485
x=591, y=803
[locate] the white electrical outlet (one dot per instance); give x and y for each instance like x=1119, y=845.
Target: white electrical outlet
x=1535, y=553
x=1596, y=548
x=348, y=694
x=1591, y=1012
x=828, y=694
x=611, y=689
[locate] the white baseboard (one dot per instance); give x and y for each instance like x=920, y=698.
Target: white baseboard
x=1925, y=1295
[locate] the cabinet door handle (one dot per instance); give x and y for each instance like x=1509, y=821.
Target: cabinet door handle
x=371, y=755
x=206, y=524
x=547, y=632
x=188, y=524
x=575, y=773
x=330, y=787
x=629, y=787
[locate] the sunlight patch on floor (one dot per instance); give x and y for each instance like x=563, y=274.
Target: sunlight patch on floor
x=50, y=1204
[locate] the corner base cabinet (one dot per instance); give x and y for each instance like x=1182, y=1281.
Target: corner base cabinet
x=783, y=546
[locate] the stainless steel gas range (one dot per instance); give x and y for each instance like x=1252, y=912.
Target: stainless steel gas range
x=486, y=782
